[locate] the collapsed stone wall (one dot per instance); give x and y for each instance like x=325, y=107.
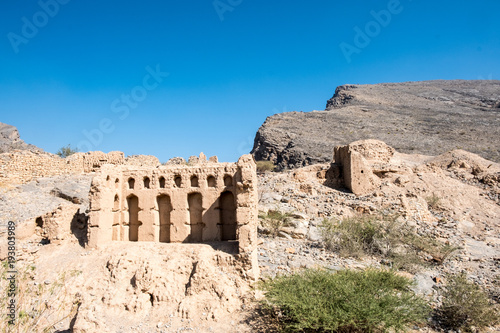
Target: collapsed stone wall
x=59, y=224
x=92, y=161
x=198, y=203
x=142, y=160
x=23, y=166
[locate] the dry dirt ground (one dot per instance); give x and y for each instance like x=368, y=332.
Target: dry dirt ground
x=137, y=287
x=151, y=287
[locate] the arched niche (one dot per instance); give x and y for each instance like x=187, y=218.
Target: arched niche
x=164, y=210
x=228, y=223
x=195, y=204
x=133, y=218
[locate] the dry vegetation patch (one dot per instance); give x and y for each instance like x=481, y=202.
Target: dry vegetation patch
x=383, y=235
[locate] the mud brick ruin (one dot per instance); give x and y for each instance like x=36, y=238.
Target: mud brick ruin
x=200, y=203
x=359, y=166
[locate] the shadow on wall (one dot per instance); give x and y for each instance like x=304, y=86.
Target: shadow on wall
x=133, y=218
x=79, y=225
x=227, y=227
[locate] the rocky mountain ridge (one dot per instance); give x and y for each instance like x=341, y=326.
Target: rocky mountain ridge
x=11, y=140
x=427, y=117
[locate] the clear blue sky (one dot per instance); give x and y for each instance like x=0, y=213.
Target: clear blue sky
x=81, y=66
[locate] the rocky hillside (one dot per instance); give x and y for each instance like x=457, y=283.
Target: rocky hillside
x=428, y=117
x=10, y=140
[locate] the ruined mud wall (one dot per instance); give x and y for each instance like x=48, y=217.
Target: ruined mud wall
x=142, y=160
x=200, y=203
x=353, y=165
x=92, y=161
x=23, y=166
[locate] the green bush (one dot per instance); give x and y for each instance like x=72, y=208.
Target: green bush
x=263, y=166
x=345, y=301
x=465, y=306
x=274, y=220
x=66, y=151
x=382, y=235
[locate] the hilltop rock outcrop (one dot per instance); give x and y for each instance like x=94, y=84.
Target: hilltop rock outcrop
x=10, y=140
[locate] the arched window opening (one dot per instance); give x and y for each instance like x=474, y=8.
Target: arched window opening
x=162, y=182
x=146, y=182
x=178, y=181
x=228, y=180
x=131, y=183
x=194, y=181
x=211, y=181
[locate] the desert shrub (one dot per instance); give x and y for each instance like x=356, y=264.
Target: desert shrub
x=345, y=301
x=66, y=151
x=433, y=201
x=39, y=307
x=465, y=306
x=354, y=236
x=382, y=235
x=437, y=251
x=274, y=220
x=263, y=166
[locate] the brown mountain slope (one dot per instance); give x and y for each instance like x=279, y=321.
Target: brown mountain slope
x=428, y=117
